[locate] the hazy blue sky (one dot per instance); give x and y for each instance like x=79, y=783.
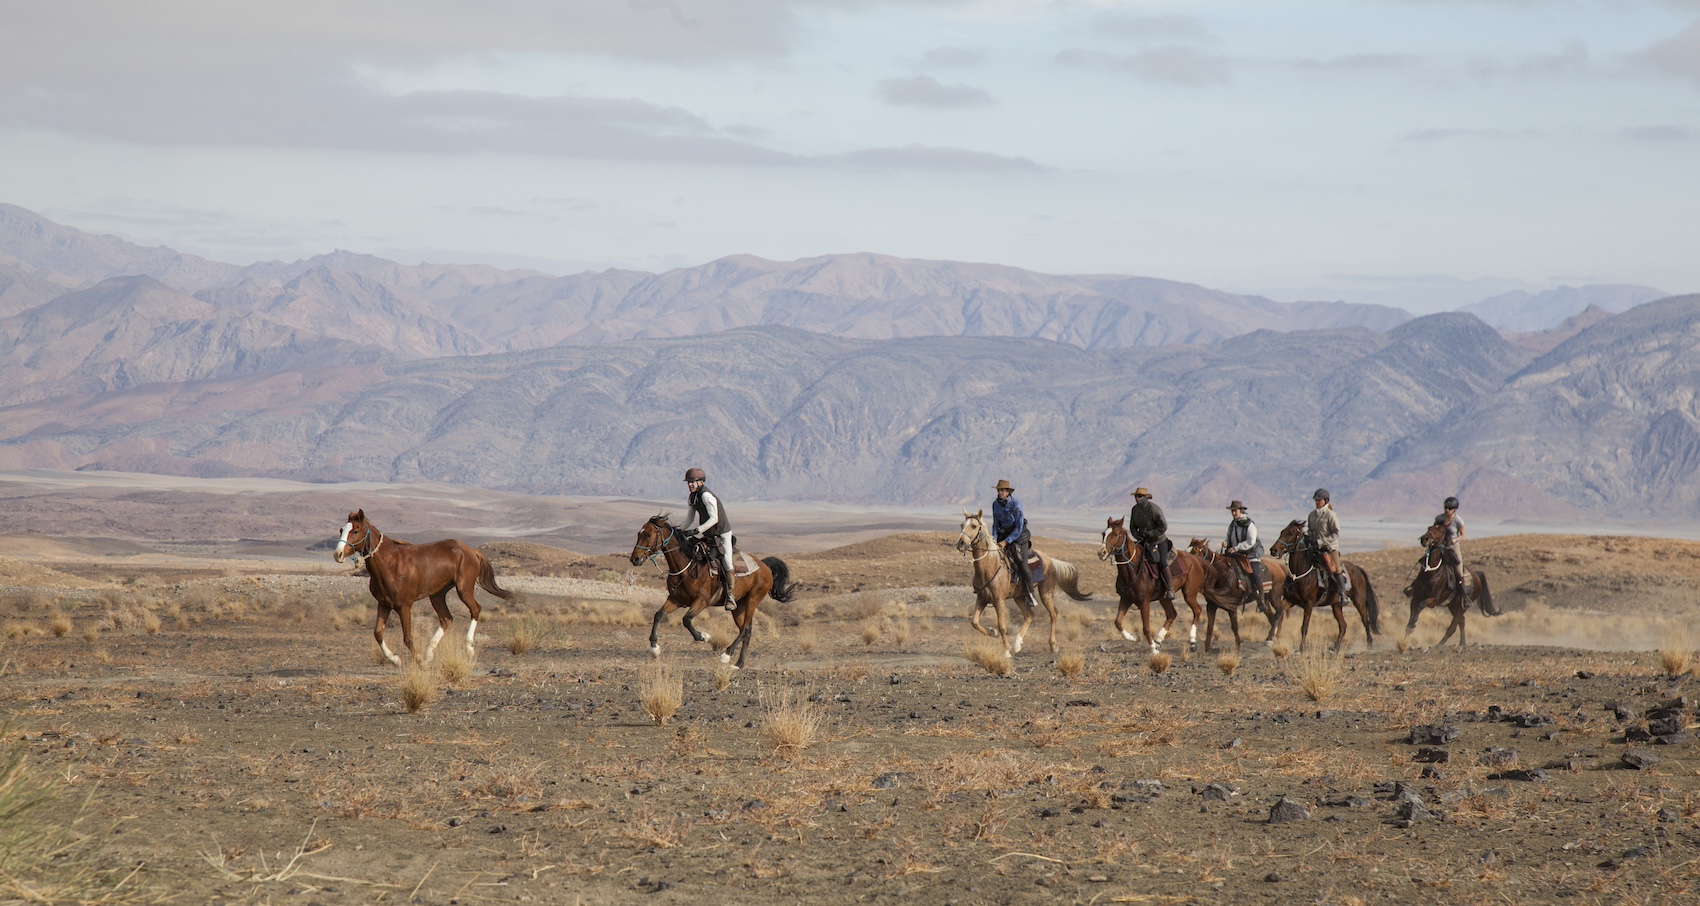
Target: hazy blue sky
x=1426, y=152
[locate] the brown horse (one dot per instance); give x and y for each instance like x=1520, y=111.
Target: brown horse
x=994, y=583
x=1227, y=587
x=1136, y=584
x=691, y=586
x=1433, y=587
x=1308, y=587
x=402, y=573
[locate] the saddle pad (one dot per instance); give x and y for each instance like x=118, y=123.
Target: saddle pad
x=1036, y=568
x=743, y=564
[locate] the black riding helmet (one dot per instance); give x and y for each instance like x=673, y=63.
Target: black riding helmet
x=1321, y=494
x=1450, y=504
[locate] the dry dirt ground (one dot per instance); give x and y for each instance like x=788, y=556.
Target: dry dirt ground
x=219, y=731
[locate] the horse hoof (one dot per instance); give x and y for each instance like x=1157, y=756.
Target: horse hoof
x=655, y=650
x=1129, y=636
x=993, y=633
x=725, y=658
x=1015, y=645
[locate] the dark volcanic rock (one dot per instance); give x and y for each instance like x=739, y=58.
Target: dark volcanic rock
x=1287, y=809
x=1639, y=759
x=1432, y=735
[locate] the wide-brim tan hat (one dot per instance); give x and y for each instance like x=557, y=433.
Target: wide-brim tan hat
x=1004, y=485
x=1141, y=492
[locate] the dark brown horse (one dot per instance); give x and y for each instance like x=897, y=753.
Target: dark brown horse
x=402, y=573
x=1433, y=587
x=692, y=587
x=995, y=584
x=1309, y=587
x=1227, y=587
x=1136, y=584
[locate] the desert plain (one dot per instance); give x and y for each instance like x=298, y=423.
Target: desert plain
x=194, y=714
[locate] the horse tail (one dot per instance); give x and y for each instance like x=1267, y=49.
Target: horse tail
x=1371, y=602
x=1484, y=596
x=1068, y=579
x=487, y=579
x=783, y=591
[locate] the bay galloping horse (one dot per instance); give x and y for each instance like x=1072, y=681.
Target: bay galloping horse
x=691, y=585
x=1309, y=587
x=995, y=584
x=1227, y=587
x=402, y=573
x=1136, y=584
x=1433, y=587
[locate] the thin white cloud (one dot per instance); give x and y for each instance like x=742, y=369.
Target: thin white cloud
x=926, y=91
x=955, y=58
x=1159, y=28
x=1661, y=133
x=921, y=157
x=1171, y=65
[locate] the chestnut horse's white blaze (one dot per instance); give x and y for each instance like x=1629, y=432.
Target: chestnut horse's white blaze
x=342, y=550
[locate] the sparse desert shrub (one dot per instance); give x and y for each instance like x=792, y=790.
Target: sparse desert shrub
x=1403, y=643
x=16, y=629
x=857, y=671
x=150, y=622
x=723, y=674
x=1280, y=649
x=722, y=636
x=990, y=654
x=525, y=634
x=45, y=858
x=1071, y=663
x=91, y=634
x=454, y=662
x=871, y=631
x=1318, y=674
x=1159, y=663
x=790, y=722
x=60, y=625
x=900, y=631
x=1228, y=663
x=418, y=687
x=661, y=689
x=1676, y=651
x=807, y=639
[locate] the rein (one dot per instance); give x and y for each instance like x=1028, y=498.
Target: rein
x=660, y=550
x=980, y=535
x=366, y=539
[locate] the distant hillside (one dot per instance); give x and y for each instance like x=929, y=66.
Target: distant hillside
x=1525, y=312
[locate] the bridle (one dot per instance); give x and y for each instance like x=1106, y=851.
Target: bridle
x=1310, y=559
x=1120, y=550
x=660, y=549
x=367, y=530
x=979, y=535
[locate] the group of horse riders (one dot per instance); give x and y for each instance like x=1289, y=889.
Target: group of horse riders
x=1150, y=529
x=1145, y=522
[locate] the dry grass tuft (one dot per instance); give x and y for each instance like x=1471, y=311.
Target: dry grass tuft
x=661, y=688
x=150, y=622
x=1280, y=650
x=1676, y=651
x=1159, y=662
x=418, y=687
x=723, y=677
x=1403, y=643
x=989, y=654
x=525, y=634
x=790, y=723
x=871, y=631
x=1071, y=663
x=1319, y=675
x=722, y=637
x=858, y=671
x=59, y=625
x=454, y=662
x=807, y=639
x=1228, y=663
x=17, y=629
x=91, y=634
x=900, y=631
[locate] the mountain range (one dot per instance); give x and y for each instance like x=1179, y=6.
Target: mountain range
x=854, y=378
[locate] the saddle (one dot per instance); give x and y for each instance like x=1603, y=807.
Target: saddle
x=1035, y=565
x=700, y=550
x=1256, y=569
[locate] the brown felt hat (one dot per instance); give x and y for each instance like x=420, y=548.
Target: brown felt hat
x=1141, y=492
x=1004, y=485
x=1236, y=505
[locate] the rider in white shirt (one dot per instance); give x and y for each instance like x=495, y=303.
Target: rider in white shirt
x=712, y=522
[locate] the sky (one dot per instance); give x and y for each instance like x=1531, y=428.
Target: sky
x=1425, y=153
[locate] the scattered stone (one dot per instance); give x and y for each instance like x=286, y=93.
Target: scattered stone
x=1433, y=735
x=1525, y=775
x=1669, y=815
x=1145, y=786
x=1665, y=726
x=1432, y=756
x=1528, y=682
x=1081, y=703
x=1287, y=809
x=1218, y=792
x=1347, y=801
x=1584, y=674
x=1049, y=813
x=1549, y=736
x=1234, y=743
x=896, y=680
x=501, y=671
x=1273, y=877
x=1410, y=811
x=1497, y=756
x=1637, y=734
x=1580, y=764
x=1495, y=713
x=1676, y=739
x=889, y=781
x=754, y=805
x=499, y=829
x=456, y=822
x=1430, y=772
x=1639, y=759
x=1638, y=852
x=1530, y=721
x=1619, y=711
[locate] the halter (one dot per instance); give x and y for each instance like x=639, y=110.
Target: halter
x=1293, y=547
x=366, y=539
x=661, y=549
x=980, y=534
x=1121, y=548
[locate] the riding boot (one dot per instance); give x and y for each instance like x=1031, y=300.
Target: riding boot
x=730, y=602
x=1345, y=582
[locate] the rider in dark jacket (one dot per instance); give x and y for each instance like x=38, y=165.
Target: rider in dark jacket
x=1009, y=530
x=1242, y=547
x=1145, y=522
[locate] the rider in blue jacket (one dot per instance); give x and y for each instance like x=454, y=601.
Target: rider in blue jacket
x=1009, y=529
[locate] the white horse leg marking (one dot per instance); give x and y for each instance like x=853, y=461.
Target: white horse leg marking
x=1129, y=636
x=471, y=630
x=726, y=658
x=655, y=650
x=1016, y=645
x=1162, y=634
x=1157, y=646
x=389, y=654
x=431, y=648
x=1192, y=636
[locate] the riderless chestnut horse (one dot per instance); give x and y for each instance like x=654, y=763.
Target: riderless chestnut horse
x=691, y=585
x=1136, y=583
x=1433, y=587
x=402, y=573
x=1227, y=587
x=994, y=584
x=1308, y=587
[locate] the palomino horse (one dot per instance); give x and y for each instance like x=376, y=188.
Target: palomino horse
x=403, y=573
x=691, y=586
x=1308, y=587
x=1227, y=587
x=994, y=584
x=1136, y=584
x=1433, y=588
